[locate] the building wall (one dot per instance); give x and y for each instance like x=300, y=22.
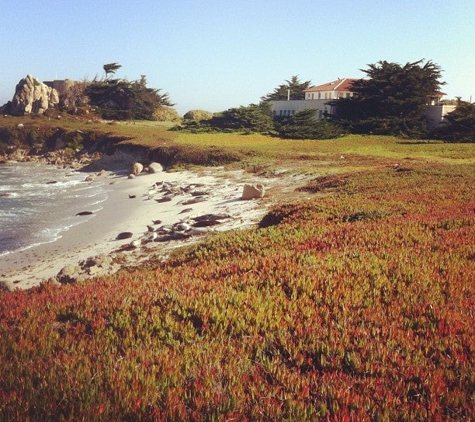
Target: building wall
x=327, y=95
x=435, y=114
x=60, y=85
x=287, y=108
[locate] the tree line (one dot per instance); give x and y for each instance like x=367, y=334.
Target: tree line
x=390, y=100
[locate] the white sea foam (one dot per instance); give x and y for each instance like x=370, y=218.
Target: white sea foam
x=35, y=212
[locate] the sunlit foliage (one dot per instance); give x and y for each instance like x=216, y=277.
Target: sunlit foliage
x=354, y=305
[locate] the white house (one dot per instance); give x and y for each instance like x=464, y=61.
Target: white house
x=318, y=97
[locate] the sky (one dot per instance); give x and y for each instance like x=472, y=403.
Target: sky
x=216, y=54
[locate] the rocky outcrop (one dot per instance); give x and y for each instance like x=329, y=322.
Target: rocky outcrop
x=33, y=96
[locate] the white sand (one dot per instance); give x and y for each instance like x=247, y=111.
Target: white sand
x=97, y=234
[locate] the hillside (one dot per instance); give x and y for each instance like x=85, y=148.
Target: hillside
x=352, y=300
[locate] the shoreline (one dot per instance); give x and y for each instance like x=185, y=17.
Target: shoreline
x=131, y=207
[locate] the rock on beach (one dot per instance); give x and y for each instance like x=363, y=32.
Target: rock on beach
x=253, y=191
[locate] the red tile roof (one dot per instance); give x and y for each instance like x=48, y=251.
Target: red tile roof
x=338, y=85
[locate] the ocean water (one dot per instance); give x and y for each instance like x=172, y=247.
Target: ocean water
x=39, y=202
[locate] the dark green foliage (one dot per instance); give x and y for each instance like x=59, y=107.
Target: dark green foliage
x=282, y=91
x=123, y=100
x=304, y=125
x=392, y=99
x=8, y=136
x=44, y=138
x=26, y=137
x=459, y=124
x=185, y=155
x=195, y=126
x=254, y=118
x=248, y=119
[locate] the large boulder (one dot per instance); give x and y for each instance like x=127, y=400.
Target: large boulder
x=155, y=167
x=253, y=191
x=71, y=274
x=136, y=169
x=198, y=115
x=33, y=96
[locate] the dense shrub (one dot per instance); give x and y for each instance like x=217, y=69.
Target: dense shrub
x=123, y=100
x=254, y=118
x=304, y=125
x=186, y=155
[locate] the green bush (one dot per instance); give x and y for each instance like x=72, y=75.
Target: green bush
x=185, y=155
x=120, y=99
x=304, y=125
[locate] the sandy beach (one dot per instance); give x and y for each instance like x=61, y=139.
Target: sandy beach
x=132, y=206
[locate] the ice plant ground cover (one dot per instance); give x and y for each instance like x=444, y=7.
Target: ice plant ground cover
x=353, y=304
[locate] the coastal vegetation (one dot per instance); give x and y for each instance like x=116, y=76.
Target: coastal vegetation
x=121, y=99
x=391, y=100
x=352, y=300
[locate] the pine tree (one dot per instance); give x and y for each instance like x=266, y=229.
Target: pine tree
x=293, y=90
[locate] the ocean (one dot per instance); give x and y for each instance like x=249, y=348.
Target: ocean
x=38, y=202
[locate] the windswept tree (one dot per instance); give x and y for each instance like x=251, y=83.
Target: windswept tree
x=391, y=100
x=111, y=68
x=292, y=89
x=122, y=100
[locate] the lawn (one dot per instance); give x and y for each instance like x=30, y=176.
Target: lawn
x=353, y=304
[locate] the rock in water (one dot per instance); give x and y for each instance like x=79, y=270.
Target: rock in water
x=33, y=96
x=85, y=213
x=253, y=191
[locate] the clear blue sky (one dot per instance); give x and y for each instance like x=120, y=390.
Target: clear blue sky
x=217, y=54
